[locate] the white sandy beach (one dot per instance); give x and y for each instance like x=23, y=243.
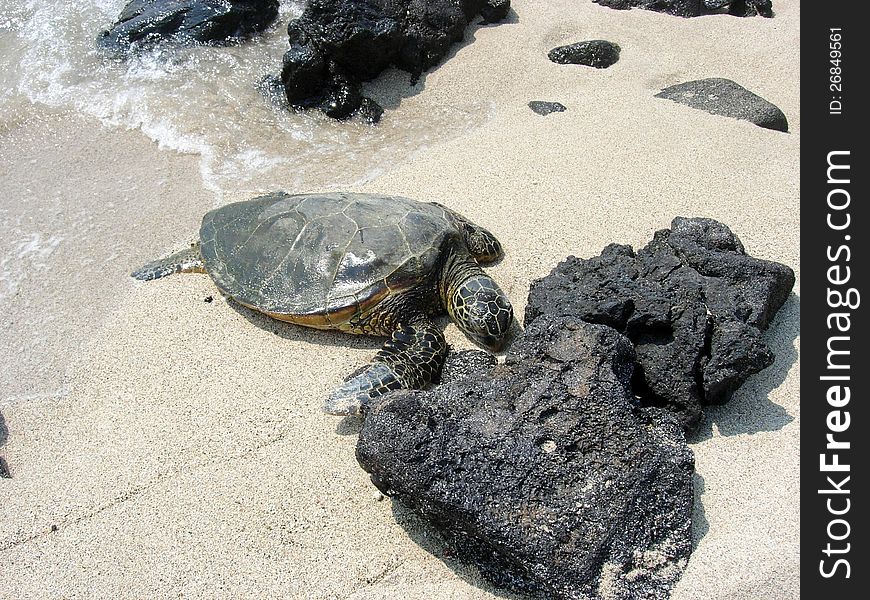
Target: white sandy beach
x=163, y=446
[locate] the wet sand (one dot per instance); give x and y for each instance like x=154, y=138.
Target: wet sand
x=161, y=445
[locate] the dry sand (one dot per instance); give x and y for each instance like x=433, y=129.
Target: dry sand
x=164, y=446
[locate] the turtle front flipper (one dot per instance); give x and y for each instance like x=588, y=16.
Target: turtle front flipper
x=410, y=359
x=188, y=260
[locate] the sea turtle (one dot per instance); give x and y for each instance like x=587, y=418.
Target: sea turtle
x=360, y=263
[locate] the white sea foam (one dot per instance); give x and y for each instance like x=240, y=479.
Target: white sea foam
x=201, y=101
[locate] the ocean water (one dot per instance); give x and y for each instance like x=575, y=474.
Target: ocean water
x=204, y=101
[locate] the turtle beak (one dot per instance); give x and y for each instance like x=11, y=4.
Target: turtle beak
x=494, y=344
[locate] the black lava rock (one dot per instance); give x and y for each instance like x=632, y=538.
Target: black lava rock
x=693, y=303
x=336, y=44
x=545, y=108
x=495, y=11
x=729, y=99
x=751, y=8
x=146, y=22
x=693, y=8
x=593, y=53
x=543, y=471
x=459, y=365
x=680, y=8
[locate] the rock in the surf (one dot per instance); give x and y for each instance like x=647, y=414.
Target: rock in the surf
x=148, y=22
x=729, y=99
x=337, y=44
x=592, y=53
x=693, y=303
x=543, y=472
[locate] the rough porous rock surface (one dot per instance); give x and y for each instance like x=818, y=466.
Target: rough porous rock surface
x=145, y=22
x=694, y=8
x=692, y=301
x=593, y=53
x=543, y=471
x=336, y=44
x=729, y=99
x=466, y=363
x=545, y=108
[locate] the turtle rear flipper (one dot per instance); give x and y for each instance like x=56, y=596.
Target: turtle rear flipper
x=410, y=359
x=188, y=260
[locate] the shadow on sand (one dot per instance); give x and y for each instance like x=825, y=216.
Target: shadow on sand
x=393, y=85
x=289, y=331
x=751, y=410
x=430, y=540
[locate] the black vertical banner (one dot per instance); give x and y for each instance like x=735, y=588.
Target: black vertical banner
x=835, y=300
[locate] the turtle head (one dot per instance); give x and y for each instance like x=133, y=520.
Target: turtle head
x=482, y=311
x=481, y=243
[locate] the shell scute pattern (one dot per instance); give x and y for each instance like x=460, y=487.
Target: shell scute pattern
x=326, y=254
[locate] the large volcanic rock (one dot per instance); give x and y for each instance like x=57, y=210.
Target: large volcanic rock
x=543, y=471
x=693, y=8
x=336, y=44
x=144, y=22
x=692, y=301
x=729, y=99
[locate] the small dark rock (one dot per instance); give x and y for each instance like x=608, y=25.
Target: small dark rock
x=543, y=472
x=208, y=299
x=53, y=528
x=593, y=53
x=146, y=22
x=4, y=469
x=693, y=8
x=680, y=8
x=545, y=108
x=693, y=303
x=729, y=99
x=337, y=44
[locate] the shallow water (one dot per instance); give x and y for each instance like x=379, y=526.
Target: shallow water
x=203, y=100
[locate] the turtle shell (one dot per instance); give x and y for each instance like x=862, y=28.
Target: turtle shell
x=321, y=259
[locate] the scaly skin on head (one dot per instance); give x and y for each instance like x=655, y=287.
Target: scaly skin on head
x=475, y=302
